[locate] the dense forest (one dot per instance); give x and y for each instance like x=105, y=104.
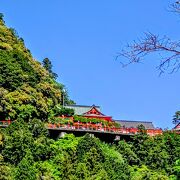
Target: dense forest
x=31, y=96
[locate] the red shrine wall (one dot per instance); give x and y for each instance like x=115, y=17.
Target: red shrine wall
x=106, y=118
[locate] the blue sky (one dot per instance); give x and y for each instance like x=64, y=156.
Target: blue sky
x=82, y=38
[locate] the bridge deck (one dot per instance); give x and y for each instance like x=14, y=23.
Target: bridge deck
x=92, y=128
x=61, y=129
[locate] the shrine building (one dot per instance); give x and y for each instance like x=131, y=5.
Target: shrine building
x=95, y=112
x=177, y=128
x=89, y=112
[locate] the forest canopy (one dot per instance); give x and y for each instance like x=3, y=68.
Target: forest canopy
x=27, y=88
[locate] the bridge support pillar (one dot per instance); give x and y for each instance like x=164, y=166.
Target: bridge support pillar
x=91, y=135
x=61, y=135
x=117, y=138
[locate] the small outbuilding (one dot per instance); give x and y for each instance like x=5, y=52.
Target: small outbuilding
x=135, y=124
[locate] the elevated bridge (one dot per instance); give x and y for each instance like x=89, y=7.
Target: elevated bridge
x=79, y=129
x=105, y=134
x=89, y=119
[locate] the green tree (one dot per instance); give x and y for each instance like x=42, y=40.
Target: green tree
x=82, y=171
x=176, y=118
x=1, y=16
x=5, y=170
x=158, y=157
x=41, y=150
x=37, y=128
x=139, y=146
x=84, y=146
x=58, y=110
x=64, y=156
x=126, y=150
x=171, y=142
x=25, y=169
x=48, y=66
x=114, y=165
x=47, y=170
x=144, y=173
x=18, y=140
x=176, y=169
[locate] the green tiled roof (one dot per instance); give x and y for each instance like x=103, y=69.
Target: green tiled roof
x=80, y=109
x=135, y=124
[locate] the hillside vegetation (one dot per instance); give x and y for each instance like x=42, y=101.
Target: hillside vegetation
x=30, y=96
x=27, y=90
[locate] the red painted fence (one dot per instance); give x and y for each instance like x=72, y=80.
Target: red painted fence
x=99, y=127
x=94, y=127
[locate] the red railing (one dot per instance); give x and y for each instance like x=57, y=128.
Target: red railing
x=99, y=127
x=94, y=127
x=5, y=123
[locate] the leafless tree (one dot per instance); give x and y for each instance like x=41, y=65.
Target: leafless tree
x=169, y=50
x=175, y=7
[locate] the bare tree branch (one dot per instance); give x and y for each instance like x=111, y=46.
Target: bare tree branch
x=135, y=52
x=169, y=51
x=175, y=7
